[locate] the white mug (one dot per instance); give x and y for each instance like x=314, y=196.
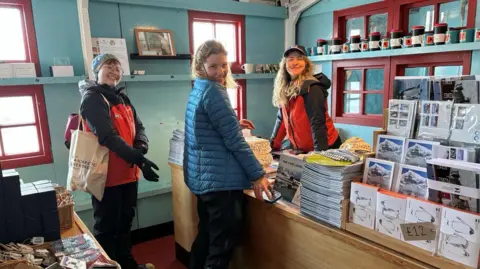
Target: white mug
x=248, y=68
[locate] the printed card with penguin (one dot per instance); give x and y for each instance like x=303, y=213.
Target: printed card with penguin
x=419, y=210
x=363, y=202
x=391, y=209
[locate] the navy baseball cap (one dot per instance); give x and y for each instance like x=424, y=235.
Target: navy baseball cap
x=298, y=48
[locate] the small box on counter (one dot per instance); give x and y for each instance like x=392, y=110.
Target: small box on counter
x=47, y=198
x=32, y=214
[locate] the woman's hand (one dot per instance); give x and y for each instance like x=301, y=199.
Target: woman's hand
x=262, y=185
x=246, y=124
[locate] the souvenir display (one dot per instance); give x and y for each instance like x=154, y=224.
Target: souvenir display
x=411, y=88
x=465, y=123
x=454, y=183
x=379, y=173
x=401, y=117
x=423, y=211
x=460, y=236
x=363, y=202
x=418, y=151
x=391, y=209
x=435, y=118
x=454, y=153
x=390, y=148
x=412, y=181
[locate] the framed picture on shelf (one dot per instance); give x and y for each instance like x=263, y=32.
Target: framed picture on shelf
x=155, y=42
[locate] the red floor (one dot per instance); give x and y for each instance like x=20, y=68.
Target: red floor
x=159, y=252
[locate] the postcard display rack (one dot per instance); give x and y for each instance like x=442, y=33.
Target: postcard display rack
x=425, y=170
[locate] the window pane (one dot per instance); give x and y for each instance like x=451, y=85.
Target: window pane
x=226, y=34
x=417, y=71
x=355, y=26
x=454, y=14
x=378, y=23
x=375, y=79
x=373, y=104
x=202, y=31
x=352, y=80
x=20, y=140
x=351, y=103
x=421, y=16
x=12, y=46
x=16, y=110
x=448, y=70
x=232, y=95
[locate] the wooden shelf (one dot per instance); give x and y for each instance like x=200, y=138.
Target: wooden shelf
x=404, y=248
x=398, y=52
x=135, y=56
x=40, y=80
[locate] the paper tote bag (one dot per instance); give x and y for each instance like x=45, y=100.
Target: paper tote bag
x=87, y=164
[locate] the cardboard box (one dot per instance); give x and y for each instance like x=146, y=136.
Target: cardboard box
x=24, y=70
x=6, y=71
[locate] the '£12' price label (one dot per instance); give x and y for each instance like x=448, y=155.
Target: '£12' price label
x=418, y=231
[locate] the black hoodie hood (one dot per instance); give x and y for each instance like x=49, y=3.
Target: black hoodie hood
x=114, y=95
x=318, y=79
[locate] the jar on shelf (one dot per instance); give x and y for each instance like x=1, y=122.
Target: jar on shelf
x=355, y=43
x=417, y=35
x=336, y=46
x=374, y=41
x=396, y=39
x=320, y=46
x=440, y=33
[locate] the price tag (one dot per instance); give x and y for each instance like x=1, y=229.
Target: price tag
x=418, y=231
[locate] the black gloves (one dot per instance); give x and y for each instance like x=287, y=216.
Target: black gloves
x=141, y=146
x=147, y=169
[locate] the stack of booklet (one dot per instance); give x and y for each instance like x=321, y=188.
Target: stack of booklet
x=176, y=147
x=324, y=188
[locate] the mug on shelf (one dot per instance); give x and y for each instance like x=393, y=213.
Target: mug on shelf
x=452, y=36
x=467, y=35
x=249, y=68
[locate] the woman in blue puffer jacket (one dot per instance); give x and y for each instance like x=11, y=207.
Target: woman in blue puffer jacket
x=218, y=163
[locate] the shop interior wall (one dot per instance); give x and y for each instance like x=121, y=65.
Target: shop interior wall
x=161, y=105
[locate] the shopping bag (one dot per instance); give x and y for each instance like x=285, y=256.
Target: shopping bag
x=87, y=164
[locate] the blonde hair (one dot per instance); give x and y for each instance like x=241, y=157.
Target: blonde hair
x=204, y=51
x=286, y=88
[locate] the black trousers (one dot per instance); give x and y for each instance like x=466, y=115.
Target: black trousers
x=221, y=218
x=113, y=222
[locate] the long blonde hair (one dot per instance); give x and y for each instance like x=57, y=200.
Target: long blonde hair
x=284, y=87
x=204, y=51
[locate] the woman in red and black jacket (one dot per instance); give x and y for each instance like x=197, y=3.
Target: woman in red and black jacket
x=109, y=114
x=303, y=108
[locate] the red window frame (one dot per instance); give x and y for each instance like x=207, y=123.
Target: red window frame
x=44, y=155
x=236, y=67
x=338, y=91
x=403, y=6
x=340, y=17
x=30, y=41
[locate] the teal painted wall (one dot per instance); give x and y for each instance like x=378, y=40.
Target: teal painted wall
x=161, y=105
x=317, y=22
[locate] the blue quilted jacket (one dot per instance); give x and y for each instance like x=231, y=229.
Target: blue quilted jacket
x=216, y=156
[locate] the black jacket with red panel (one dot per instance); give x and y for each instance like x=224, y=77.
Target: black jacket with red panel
x=305, y=120
x=110, y=115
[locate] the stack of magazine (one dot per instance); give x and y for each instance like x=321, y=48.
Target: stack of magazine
x=324, y=188
x=176, y=147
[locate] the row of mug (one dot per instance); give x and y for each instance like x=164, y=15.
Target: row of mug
x=260, y=68
x=452, y=36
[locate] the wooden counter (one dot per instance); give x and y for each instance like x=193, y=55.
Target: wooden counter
x=279, y=237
